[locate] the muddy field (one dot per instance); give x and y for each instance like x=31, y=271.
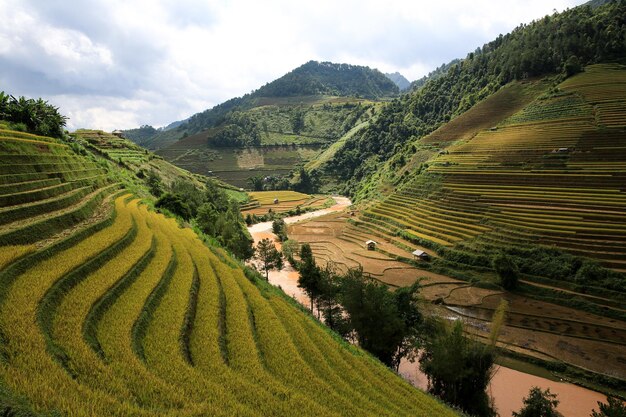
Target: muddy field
x=535, y=328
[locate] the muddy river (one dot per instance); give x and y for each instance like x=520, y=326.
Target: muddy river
x=508, y=386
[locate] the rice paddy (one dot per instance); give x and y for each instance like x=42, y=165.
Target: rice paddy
x=130, y=314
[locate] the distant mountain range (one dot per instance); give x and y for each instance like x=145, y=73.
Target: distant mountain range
x=399, y=80
x=311, y=79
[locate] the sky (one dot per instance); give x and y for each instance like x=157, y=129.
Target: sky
x=118, y=64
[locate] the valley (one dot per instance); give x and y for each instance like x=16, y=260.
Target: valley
x=338, y=241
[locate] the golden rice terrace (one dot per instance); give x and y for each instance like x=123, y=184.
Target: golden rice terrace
x=551, y=174
x=109, y=309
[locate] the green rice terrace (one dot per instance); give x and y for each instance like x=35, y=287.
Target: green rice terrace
x=542, y=181
x=109, y=308
x=282, y=133
x=552, y=174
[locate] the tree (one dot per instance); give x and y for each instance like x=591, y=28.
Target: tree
x=613, y=408
x=279, y=228
x=310, y=275
x=386, y=323
x=458, y=368
x=35, y=116
x=155, y=185
x=506, y=270
x=269, y=256
x=256, y=183
x=539, y=403
x=330, y=282
x=207, y=219
x=290, y=247
x=175, y=204
x=297, y=121
x=572, y=66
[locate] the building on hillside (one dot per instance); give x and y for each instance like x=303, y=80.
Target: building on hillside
x=420, y=255
x=370, y=245
x=118, y=133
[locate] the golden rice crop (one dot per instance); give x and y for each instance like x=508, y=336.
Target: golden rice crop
x=9, y=254
x=162, y=345
x=33, y=372
x=67, y=328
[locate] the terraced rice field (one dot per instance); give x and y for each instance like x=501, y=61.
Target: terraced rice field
x=553, y=173
x=121, y=312
x=261, y=202
x=539, y=329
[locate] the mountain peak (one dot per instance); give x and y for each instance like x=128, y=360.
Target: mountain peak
x=399, y=80
x=328, y=78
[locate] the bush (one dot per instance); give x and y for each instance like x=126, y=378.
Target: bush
x=506, y=270
x=175, y=204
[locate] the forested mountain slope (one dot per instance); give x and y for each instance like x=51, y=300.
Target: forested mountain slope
x=557, y=44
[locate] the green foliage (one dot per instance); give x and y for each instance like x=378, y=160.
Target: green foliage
x=141, y=134
x=297, y=121
x=34, y=116
x=175, y=204
x=279, y=228
x=326, y=78
x=542, y=47
x=506, y=270
x=539, y=403
x=237, y=130
x=269, y=256
x=386, y=323
x=155, y=185
x=572, y=66
x=306, y=182
x=309, y=274
x=290, y=248
x=458, y=368
x=256, y=183
x=220, y=218
x=614, y=407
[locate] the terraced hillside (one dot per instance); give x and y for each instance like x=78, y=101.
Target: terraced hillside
x=262, y=202
x=271, y=137
x=107, y=308
x=552, y=174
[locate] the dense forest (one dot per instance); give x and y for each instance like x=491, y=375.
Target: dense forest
x=561, y=43
x=327, y=78
x=141, y=134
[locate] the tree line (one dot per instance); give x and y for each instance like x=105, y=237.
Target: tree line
x=33, y=116
x=210, y=210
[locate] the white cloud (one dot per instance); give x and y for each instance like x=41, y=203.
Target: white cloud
x=121, y=63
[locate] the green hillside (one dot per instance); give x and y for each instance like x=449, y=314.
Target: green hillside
x=544, y=185
x=271, y=138
x=304, y=85
x=558, y=44
x=109, y=308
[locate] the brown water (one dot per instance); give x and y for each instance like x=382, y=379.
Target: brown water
x=508, y=386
